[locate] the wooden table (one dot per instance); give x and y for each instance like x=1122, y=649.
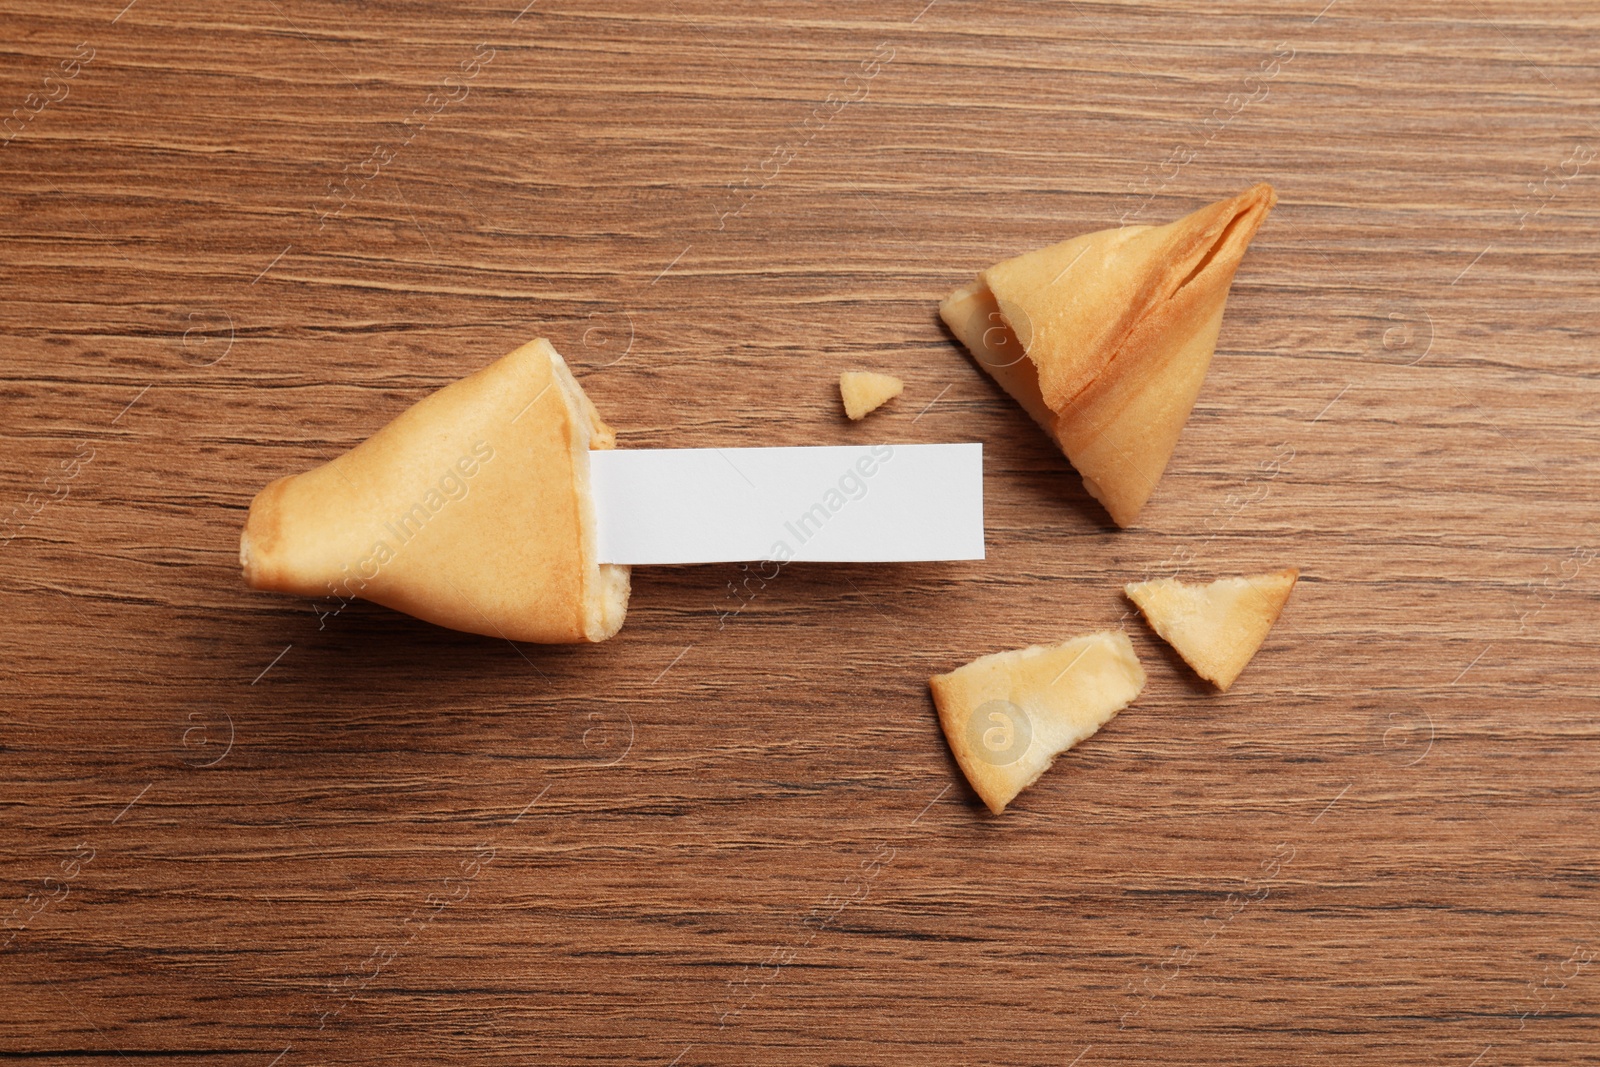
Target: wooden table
x=239, y=238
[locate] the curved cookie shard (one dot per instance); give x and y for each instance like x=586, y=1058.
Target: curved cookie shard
x=1218, y=627
x=1007, y=716
x=1118, y=328
x=470, y=510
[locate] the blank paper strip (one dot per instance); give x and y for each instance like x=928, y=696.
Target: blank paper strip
x=842, y=504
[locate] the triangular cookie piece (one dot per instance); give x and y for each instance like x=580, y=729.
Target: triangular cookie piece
x=866, y=391
x=1118, y=328
x=1009, y=715
x=1216, y=628
x=471, y=510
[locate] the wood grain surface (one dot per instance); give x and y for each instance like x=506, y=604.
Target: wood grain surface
x=240, y=237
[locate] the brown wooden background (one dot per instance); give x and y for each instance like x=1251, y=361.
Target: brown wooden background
x=739, y=838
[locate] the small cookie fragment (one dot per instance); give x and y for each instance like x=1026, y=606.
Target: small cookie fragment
x=866, y=391
x=1009, y=715
x=1216, y=627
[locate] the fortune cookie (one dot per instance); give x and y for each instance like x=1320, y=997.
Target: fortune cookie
x=470, y=510
x=1105, y=339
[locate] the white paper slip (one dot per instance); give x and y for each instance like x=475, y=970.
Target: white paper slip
x=839, y=504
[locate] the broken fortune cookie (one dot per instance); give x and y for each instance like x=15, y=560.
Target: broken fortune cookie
x=470, y=510
x=1105, y=339
x=1217, y=627
x=1009, y=715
